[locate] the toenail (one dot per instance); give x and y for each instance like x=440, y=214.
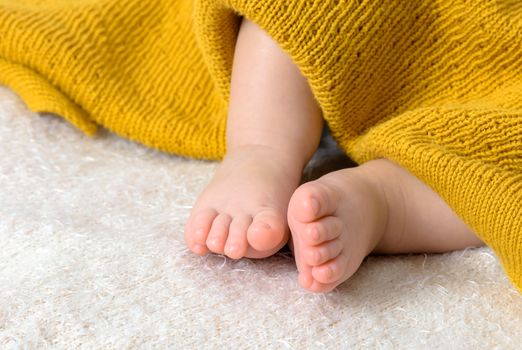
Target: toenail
x=262, y=226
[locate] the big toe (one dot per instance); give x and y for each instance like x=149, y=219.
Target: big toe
x=312, y=201
x=268, y=231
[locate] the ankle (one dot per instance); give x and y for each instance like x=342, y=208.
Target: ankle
x=277, y=154
x=383, y=176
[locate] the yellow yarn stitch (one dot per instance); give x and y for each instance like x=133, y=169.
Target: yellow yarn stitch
x=434, y=85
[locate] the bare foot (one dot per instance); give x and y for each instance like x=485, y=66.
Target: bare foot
x=242, y=212
x=273, y=128
x=336, y=222
x=379, y=207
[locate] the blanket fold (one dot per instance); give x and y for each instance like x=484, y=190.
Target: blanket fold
x=435, y=86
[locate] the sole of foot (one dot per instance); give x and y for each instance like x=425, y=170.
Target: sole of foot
x=336, y=221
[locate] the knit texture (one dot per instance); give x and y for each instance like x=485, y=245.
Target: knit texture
x=432, y=85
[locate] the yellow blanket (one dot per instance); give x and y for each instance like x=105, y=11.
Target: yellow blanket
x=434, y=85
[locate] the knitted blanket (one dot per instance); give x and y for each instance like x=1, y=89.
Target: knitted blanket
x=432, y=85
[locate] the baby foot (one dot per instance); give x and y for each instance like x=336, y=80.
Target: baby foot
x=242, y=212
x=336, y=221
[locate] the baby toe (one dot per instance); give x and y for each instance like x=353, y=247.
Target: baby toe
x=267, y=231
x=323, y=230
x=318, y=287
x=320, y=254
x=218, y=234
x=333, y=271
x=197, y=229
x=236, y=246
x=305, y=278
x=312, y=201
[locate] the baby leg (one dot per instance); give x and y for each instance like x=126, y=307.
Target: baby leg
x=379, y=207
x=273, y=128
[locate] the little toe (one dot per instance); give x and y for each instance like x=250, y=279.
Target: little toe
x=317, y=255
x=312, y=201
x=326, y=229
x=305, y=279
x=318, y=287
x=333, y=271
x=236, y=246
x=218, y=234
x=200, y=223
x=267, y=231
x=197, y=229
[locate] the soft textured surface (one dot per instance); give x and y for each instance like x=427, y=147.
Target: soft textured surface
x=433, y=85
x=92, y=256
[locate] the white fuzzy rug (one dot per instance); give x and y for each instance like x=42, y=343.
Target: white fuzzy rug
x=92, y=256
